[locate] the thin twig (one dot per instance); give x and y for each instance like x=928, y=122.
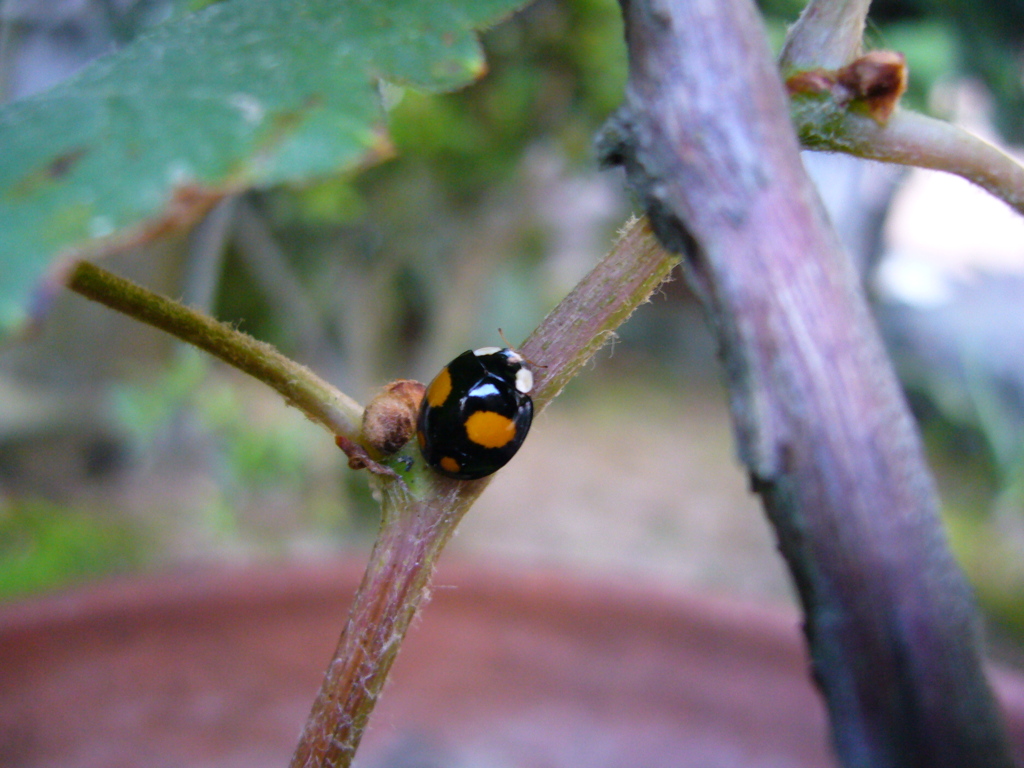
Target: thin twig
x=416, y=524
x=586, y=319
x=910, y=138
x=419, y=508
x=299, y=386
x=828, y=37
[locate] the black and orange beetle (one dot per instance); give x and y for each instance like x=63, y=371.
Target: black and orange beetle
x=476, y=413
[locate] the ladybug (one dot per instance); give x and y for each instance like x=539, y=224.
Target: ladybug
x=476, y=413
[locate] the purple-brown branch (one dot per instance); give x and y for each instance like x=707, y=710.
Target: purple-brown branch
x=820, y=421
x=420, y=509
x=418, y=521
x=412, y=534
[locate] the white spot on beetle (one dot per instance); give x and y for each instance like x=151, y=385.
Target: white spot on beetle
x=524, y=380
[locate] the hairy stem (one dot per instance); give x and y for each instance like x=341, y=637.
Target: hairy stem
x=417, y=518
x=416, y=524
x=586, y=319
x=910, y=138
x=299, y=386
x=412, y=534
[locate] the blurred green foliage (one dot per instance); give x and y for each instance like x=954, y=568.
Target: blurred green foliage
x=44, y=546
x=556, y=69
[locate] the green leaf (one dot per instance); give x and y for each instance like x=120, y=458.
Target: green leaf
x=241, y=94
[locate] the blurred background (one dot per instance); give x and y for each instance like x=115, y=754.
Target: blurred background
x=123, y=452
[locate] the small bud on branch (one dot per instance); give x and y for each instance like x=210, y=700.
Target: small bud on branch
x=875, y=81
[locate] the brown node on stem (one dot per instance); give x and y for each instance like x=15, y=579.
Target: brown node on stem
x=877, y=80
x=389, y=421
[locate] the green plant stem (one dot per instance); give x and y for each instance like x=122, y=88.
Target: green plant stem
x=300, y=387
x=909, y=138
x=414, y=528
x=828, y=35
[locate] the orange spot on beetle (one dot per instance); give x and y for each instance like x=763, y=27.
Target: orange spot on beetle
x=490, y=429
x=448, y=464
x=439, y=389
